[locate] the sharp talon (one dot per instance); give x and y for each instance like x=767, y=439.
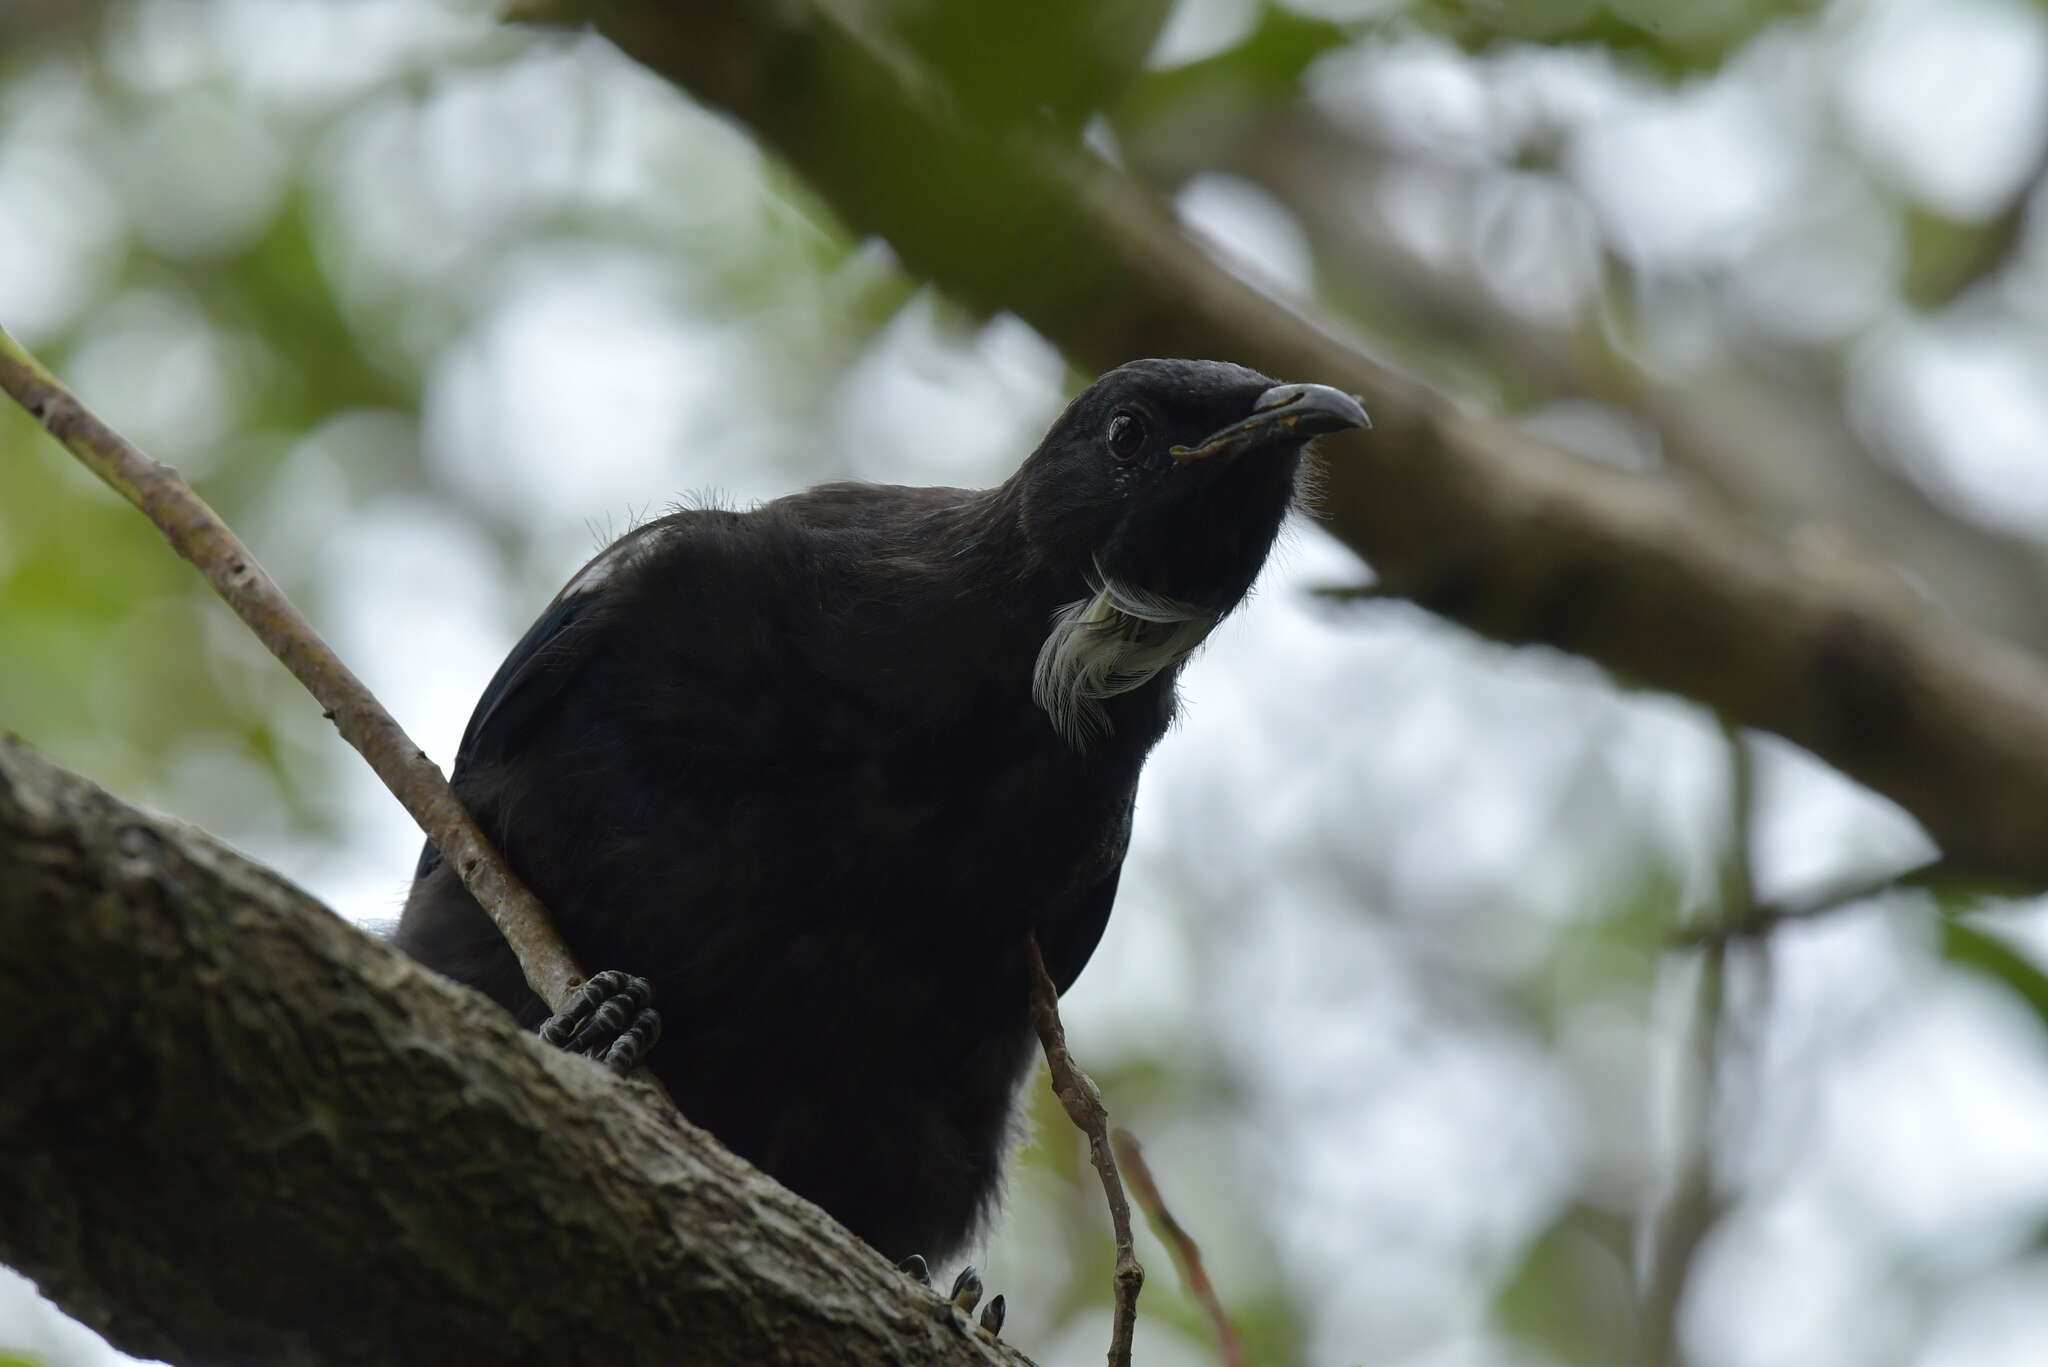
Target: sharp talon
x=992, y=1316
x=607, y=1017
x=917, y=1269
x=966, y=1293
x=633, y=1043
x=610, y=1018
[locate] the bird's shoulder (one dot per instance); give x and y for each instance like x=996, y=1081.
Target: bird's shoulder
x=844, y=503
x=708, y=598
x=846, y=516
x=799, y=553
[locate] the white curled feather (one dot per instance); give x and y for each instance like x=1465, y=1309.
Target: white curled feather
x=1111, y=643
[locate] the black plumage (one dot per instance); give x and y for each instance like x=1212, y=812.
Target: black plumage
x=816, y=770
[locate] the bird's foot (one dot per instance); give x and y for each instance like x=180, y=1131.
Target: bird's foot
x=608, y=1018
x=964, y=1296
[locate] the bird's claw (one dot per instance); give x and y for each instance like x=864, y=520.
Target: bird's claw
x=966, y=1292
x=608, y=1018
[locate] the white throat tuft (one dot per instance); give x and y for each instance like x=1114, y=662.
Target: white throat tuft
x=1109, y=644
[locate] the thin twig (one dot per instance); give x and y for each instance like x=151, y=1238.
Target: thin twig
x=1696, y=1203
x=1187, y=1254
x=1083, y=1100
x=1766, y=917
x=196, y=532
x=1353, y=593
x=1695, y=1206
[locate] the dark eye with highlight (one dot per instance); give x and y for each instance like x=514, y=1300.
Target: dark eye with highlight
x=1126, y=435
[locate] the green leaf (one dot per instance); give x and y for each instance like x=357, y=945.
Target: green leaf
x=1570, y=1297
x=1995, y=958
x=1945, y=256
x=1265, y=69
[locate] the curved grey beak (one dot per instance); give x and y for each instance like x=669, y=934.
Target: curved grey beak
x=1286, y=412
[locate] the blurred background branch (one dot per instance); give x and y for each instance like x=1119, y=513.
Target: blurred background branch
x=1187, y=1254
x=1696, y=1203
x=1760, y=445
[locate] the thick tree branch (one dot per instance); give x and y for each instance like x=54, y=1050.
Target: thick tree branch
x=1472, y=519
x=234, y=1129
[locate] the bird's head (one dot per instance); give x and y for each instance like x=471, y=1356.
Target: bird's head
x=1171, y=477
x=1161, y=488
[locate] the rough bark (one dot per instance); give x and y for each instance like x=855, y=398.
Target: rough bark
x=235, y=1129
x=1466, y=516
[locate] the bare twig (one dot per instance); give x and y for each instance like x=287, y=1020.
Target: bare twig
x=1940, y=874
x=196, y=532
x=1696, y=1203
x=1187, y=1254
x=1353, y=593
x=1695, y=1207
x=1083, y=1100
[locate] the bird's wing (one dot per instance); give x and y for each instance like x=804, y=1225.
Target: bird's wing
x=529, y=680
x=548, y=655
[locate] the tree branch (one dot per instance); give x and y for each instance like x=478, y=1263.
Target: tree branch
x=1737, y=433
x=234, y=1129
x=1083, y=1102
x=1467, y=517
x=1187, y=1254
x=1697, y=1204
x=197, y=533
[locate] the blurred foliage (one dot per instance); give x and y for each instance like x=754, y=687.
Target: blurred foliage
x=1986, y=954
x=1670, y=38
x=1571, y=1294
x=1266, y=68
x=219, y=356
x=1055, y=62
x=1945, y=257
x=287, y=248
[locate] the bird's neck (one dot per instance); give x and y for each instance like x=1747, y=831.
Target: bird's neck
x=983, y=550
x=1098, y=657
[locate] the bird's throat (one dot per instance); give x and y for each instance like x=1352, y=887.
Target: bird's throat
x=1110, y=643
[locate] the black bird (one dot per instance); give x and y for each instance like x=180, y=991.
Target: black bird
x=817, y=770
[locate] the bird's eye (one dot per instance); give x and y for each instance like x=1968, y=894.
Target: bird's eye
x=1126, y=436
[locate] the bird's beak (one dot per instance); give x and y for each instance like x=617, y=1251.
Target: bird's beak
x=1286, y=412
